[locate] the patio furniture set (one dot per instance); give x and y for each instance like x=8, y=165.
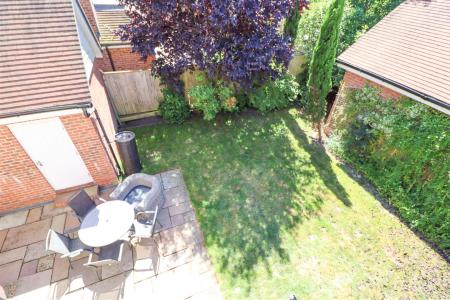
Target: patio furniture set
x=107, y=228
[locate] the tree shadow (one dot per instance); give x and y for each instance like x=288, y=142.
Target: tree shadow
x=320, y=160
x=250, y=182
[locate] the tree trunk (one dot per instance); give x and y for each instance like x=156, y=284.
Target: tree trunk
x=319, y=131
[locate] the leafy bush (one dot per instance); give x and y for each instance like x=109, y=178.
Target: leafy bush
x=275, y=94
x=211, y=99
x=173, y=108
x=403, y=148
x=204, y=99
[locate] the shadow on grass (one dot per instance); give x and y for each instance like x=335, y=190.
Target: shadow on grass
x=250, y=181
x=320, y=160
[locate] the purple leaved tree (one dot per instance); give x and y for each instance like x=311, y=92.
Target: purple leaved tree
x=236, y=41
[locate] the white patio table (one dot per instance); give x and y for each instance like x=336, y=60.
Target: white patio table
x=106, y=223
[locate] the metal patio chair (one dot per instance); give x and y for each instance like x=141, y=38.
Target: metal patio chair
x=144, y=225
x=65, y=246
x=81, y=204
x=107, y=256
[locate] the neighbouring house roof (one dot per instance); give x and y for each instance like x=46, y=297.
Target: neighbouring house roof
x=109, y=18
x=40, y=58
x=410, y=50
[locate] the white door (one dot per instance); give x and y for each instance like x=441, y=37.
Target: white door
x=50, y=147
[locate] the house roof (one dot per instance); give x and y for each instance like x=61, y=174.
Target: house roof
x=409, y=49
x=40, y=58
x=109, y=18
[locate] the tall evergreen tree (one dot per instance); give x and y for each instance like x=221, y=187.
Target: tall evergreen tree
x=291, y=23
x=321, y=66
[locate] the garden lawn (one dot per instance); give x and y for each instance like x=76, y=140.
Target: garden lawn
x=281, y=217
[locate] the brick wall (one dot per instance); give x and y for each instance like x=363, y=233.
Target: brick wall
x=87, y=141
x=88, y=10
x=123, y=60
x=102, y=105
x=103, y=63
x=351, y=80
x=21, y=182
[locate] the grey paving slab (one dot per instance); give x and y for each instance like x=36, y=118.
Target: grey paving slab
x=117, y=268
x=163, y=220
x=36, y=251
x=178, y=238
x=12, y=255
x=180, y=208
x=2, y=237
x=177, y=220
x=50, y=210
x=182, y=283
x=111, y=288
x=46, y=262
x=146, y=260
x=58, y=289
x=13, y=219
x=34, y=214
x=175, y=195
x=189, y=216
x=36, y=286
x=26, y=234
x=171, y=179
x=60, y=268
x=10, y=272
x=29, y=268
x=71, y=221
x=173, y=264
x=142, y=290
x=58, y=223
x=80, y=276
x=176, y=259
x=74, y=295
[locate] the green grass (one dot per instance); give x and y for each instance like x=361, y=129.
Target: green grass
x=280, y=216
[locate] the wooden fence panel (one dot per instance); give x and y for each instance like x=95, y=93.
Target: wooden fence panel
x=133, y=92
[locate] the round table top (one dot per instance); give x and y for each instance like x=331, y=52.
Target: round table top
x=106, y=223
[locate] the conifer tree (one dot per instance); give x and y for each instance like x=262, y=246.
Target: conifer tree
x=321, y=66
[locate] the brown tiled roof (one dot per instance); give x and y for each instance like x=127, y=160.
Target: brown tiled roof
x=40, y=58
x=409, y=48
x=109, y=21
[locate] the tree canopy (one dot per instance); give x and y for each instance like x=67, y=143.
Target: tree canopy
x=233, y=40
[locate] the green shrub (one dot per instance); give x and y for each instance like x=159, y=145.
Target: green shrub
x=403, y=148
x=173, y=108
x=204, y=99
x=275, y=94
x=211, y=99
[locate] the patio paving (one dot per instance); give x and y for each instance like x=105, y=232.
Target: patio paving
x=173, y=264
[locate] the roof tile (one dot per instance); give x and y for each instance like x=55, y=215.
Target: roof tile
x=410, y=47
x=109, y=21
x=40, y=56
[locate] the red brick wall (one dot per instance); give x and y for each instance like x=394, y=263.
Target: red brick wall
x=123, y=60
x=351, y=80
x=21, y=182
x=87, y=141
x=88, y=9
x=100, y=101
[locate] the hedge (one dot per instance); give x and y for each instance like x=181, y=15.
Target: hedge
x=403, y=148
